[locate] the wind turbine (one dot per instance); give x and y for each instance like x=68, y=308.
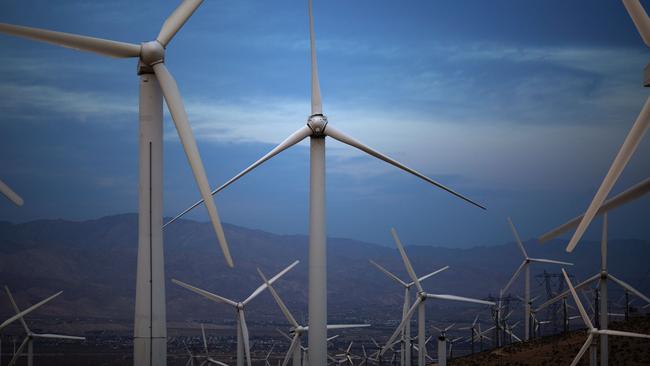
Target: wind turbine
x=525, y=266
x=297, y=329
x=406, y=334
x=317, y=129
x=156, y=82
x=442, y=344
x=305, y=350
x=642, y=23
x=631, y=194
x=242, y=328
x=10, y=194
x=474, y=329
x=30, y=336
x=422, y=296
x=23, y=313
x=591, y=330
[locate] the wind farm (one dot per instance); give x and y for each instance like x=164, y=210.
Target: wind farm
x=501, y=111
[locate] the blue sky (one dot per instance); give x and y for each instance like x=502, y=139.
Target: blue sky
x=519, y=105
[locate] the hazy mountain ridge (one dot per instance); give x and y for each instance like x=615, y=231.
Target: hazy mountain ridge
x=94, y=263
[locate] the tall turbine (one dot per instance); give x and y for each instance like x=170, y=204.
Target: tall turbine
x=525, y=266
x=298, y=330
x=317, y=129
x=30, y=336
x=591, y=330
x=422, y=296
x=156, y=82
x=634, y=137
x=406, y=334
x=10, y=194
x=631, y=194
x=243, y=345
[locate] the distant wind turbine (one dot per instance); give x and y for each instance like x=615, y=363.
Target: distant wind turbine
x=422, y=296
x=243, y=345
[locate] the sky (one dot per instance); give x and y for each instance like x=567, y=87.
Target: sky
x=521, y=106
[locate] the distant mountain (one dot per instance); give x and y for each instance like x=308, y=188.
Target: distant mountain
x=93, y=262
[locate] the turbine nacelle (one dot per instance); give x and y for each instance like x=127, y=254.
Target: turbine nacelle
x=152, y=52
x=317, y=123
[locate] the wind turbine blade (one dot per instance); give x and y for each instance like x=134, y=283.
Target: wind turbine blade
x=514, y=276
x=346, y=326
x=433, y=273
x=332, y=337
x=517, y=238
x=405, y=259
x=205, y=293
x=449, y=327
x=640, y=19
x=205, y=340
x=17, y=310
x=583, y=349
x=285, y=335
x=566, y=292
x=629, y=288
x=176, y=20
x=624, y=154
x=620, y=199
x=292, y=348
x=74, y=41
x=388, y=273
x=278, y=300
x=541, y=260
x=10, y=194
x=622, y=334
x=581, y=309
x=402, y=324
x=57, y=336
x=21, y=314
x=460, y=298
x=475, y=320
x=295, y=138
x=271, y=281
x=216, y=362
x=19, y=352
x=244, y=331
x=316, y=104
x=340, y=136
x=177, y=110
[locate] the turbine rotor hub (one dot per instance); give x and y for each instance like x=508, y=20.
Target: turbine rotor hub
x=240, y=306
x=317, y=123
x=152, y=53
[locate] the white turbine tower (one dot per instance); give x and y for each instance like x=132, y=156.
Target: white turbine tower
x=634, y=137
x=30, y=336
x=10, y=194
x=631, y=194
x=298, y=330
x=406, y=334
x=243, y=345
x=525, y=266
x=419, y=304
x=317, y=129
x=156, y=82
x=442, y=344
x=591, y=330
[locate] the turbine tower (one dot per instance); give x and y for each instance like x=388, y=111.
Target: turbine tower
x=525, y=266
x=10, y=194
x=634, y=137
x=406, y=334
x=419, y=304
x=156, y=82
x=631, y=194
x=243, y=343
x=317, y=129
